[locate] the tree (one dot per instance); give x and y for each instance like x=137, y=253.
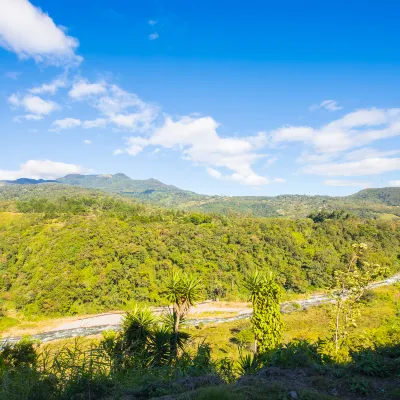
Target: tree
x=267, y=324
x=183, y=291
x=349, y=286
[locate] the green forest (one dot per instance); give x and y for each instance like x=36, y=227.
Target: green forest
x=66, y=252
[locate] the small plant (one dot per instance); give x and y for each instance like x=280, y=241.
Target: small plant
x=369, y=363
x=294, y=354
x=248, y=363
x=360, y=387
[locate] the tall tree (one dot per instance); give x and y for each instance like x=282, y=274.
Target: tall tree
x=267, y=324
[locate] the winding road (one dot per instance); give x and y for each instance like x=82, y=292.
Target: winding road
x=96, y=324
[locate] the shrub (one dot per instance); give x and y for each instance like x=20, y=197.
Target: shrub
x=294, y=354
x=369, y=363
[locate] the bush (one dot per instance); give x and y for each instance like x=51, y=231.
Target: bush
x=369, y=363
x=294, y=354
x=360, y=387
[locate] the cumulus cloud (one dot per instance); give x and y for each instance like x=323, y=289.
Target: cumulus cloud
x=30, y=33
x=42, y=169
x=198, y=141
x=95, y=123
x=126, y=110
x=28, y=117
x=66, y=123
x=329, y=105
x=152, y=22
x=355, y=129
x=34, y=105
x=367, y=166
x=87, y=142
x=214, y=173
x=83, y=88
x=50, y=88
x=346, y=183
x=154, y=36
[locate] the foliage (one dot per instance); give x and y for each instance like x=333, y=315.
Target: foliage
x=368, y=203
x=349, y=288
x=266, y=321
x=298, y=353
x=79, y=251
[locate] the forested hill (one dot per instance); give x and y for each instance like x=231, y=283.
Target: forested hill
x=369, y=203
x=389, y=196
x=74, y=251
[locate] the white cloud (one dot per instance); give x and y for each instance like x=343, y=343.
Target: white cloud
x=87, y=142
x=83, y=88
x=154, y=36
x=126, y=110
x=27, y=31
x=395, y=183
x=344, y=183
x=66, y=123
x=28, y=117
x=42, y=169
x=368, y=166
x=50, y=88
x=329, y=105
x=198, y=141
x=368, y=152
x=152, y=22
x=33, y=104
x=95, y=123
x=13, y=75
x=214, y=173
x=355, y=129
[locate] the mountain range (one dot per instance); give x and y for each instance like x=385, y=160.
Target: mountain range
x=379, y=202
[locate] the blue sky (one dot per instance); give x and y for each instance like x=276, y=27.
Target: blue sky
x=236, y=98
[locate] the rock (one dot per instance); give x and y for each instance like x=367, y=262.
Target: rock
x=293, y=395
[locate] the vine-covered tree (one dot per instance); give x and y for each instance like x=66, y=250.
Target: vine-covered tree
x=267, y=324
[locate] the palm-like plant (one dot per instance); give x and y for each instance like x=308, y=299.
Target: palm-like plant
x=159, y=346
x=184, y=291
x=136, y=329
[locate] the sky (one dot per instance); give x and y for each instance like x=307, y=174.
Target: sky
x=217, y=97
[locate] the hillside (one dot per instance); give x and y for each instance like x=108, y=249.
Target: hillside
x=389, y=196
x=67, y=250
x=150, y=190
x=369, y=203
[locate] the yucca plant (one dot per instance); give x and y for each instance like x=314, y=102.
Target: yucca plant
x=137, y=326
x=183, y=291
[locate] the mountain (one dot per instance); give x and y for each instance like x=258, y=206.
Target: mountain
x=389, y=195
x=25, y=181
x=149, y=190
x=370, y=203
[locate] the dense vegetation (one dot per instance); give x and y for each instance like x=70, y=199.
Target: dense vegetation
x=136, y=363
x=368, y=203
x=68, y=252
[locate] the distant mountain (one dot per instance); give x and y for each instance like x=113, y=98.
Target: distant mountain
x=25, y=181
x=370, y=203
x=149, y=190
